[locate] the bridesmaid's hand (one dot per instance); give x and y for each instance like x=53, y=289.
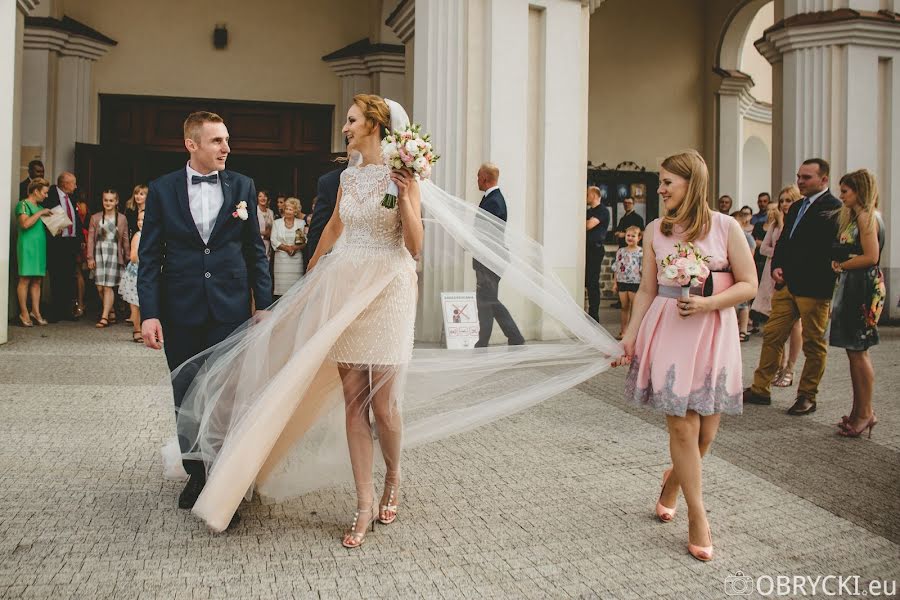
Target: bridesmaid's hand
x=693, y=305
x=627, y=352
x=836, y=267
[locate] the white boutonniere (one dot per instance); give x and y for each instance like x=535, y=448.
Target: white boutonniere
x=240, y=211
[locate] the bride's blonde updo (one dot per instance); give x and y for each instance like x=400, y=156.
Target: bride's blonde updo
x=375, y=110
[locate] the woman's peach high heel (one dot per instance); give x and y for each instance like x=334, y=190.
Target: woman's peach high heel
x=702, y=553
x=847, y=431
x=664, y=513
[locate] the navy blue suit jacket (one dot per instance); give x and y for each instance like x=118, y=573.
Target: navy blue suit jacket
x=806, y=257
x=326, y=198
x=181, y=280
x=495, y=204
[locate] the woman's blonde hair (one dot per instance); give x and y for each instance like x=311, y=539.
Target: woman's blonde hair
x=375, y=110
x=793, y=194
x=693, y=213
x=36, y=184
x=130, y=204
x=863, y=184
x=296, y=204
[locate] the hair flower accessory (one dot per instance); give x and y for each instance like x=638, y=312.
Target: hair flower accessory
x=240, y=211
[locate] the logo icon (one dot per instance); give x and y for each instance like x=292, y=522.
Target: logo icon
x=738, y=584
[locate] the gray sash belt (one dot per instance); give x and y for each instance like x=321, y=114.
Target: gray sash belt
x=715, y=283
x=674, y=291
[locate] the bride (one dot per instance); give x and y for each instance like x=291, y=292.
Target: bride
x=278, y=406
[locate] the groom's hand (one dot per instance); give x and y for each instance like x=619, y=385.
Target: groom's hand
x=151, y=330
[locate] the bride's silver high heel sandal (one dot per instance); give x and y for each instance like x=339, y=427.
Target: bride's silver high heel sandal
x=388, y=512
x=354, y=538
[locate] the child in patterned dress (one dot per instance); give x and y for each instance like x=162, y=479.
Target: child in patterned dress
x=627, y=270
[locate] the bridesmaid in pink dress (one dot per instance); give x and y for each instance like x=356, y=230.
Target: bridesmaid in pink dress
x=684, y=352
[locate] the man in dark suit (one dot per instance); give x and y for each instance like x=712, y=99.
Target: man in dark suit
x=201, y=253
x=487, y=282
x=35, y=171
x=326, y=198
x=63, y=249
x=596, y=224
x=804, y=281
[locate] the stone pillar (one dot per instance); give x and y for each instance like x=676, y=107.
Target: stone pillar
x=12, y=25
x=58, y=81
x=504, y=81
x=403, y=23
x=367, y=68
x=734, y=101
x=839, y=98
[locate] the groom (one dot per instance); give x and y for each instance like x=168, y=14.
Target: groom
x=200, y=255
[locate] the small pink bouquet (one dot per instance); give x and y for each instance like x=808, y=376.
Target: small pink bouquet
x=685, y=267
x=409, y=149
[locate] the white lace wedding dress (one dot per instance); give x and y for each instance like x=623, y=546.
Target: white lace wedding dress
x=264, y=408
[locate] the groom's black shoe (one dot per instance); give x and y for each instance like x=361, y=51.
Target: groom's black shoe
x=191, y=491
x=752, y=398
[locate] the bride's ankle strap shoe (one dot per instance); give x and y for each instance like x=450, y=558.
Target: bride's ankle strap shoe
x=388, y=512
x=354, y=538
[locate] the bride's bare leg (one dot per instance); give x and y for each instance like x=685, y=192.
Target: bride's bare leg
x=390, y=438
x=359, y=440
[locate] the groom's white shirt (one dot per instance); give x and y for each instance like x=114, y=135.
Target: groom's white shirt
x=206, y=201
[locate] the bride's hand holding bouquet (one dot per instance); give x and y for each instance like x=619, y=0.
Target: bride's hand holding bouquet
x=411, y=156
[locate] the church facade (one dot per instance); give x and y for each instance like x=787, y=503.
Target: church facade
x=539, y=87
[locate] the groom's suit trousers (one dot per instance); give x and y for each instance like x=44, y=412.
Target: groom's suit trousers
x=181, y=343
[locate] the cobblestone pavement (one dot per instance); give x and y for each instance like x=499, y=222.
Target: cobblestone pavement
x=553, y=502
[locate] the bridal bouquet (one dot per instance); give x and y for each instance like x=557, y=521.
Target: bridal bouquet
x=685, y=267
x=407, y=148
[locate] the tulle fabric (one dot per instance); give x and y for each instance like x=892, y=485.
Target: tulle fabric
x=264, y=409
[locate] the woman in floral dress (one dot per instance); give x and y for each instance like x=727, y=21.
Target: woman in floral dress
x=859, y=293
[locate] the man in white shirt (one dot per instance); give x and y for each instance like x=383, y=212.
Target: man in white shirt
x=200, y=256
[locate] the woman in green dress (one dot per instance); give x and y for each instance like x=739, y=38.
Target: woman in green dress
x=31, y=251
x=859, y=293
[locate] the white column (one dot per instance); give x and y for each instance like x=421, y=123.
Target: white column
x=734, y=101
x=840, y=100
x=403, y=23
x=498, y=80
x=58, y=83
x=441, y=107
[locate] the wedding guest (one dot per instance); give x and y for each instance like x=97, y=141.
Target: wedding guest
x=683, y=352
x=62, y=250
x=627, y=270
x=279, y=204
x=266, y=218
x=743, y=308
x=762, y=203
x=81, y=207
x=487, y=283
x=804, y=284
x=724, y=204
x=859, y=294
x=629, y=219
x=107, y=248
x=762, y=304
x=35, y=171
x=31, y=250
x=134, y=205
x=128, y=284
x=596, y=224
x=288, y=240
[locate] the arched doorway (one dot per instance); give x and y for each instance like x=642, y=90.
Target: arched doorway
x=756, y=171
x=744, y=103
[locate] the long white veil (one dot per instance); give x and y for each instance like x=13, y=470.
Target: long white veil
x=281, y=362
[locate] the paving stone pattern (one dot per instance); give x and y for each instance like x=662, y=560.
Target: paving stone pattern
x=553, y=502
